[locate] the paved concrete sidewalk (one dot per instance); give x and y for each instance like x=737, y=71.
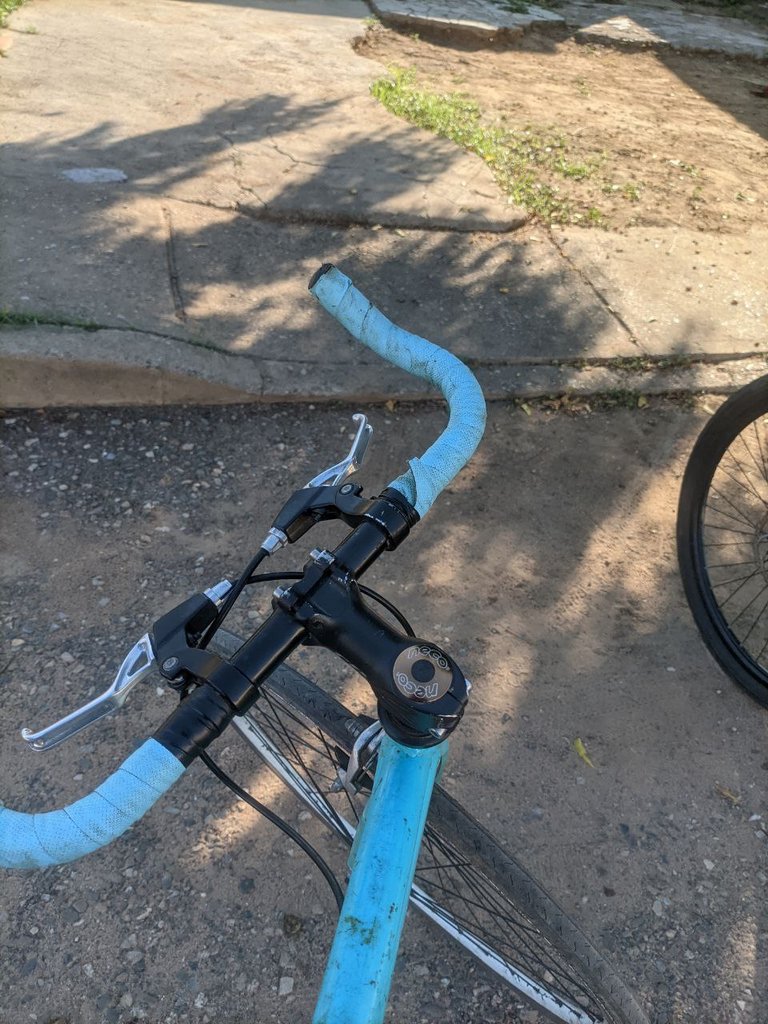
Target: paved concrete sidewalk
x=653, y=22
x=164, y=207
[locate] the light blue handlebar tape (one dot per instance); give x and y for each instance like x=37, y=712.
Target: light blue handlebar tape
x=42, y=840
x=441, y=462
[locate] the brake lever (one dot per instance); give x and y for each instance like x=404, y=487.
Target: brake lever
x=330, y=477
x=337, y=474
x=137, y=665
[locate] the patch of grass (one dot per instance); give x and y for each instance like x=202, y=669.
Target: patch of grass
x=581, y=87
x=630, y=190
x=9, y=319
x=517, y=157
x=7, y=7
x=514, y=6
x=580, y=405
x=637, y=364
x=686, y=168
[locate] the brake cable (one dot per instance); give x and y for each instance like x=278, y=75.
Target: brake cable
x=270, y=815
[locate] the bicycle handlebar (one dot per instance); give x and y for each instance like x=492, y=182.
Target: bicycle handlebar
x=55, y=837
x=440, y=463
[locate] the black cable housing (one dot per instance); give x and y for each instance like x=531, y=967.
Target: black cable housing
x=270, y=815
x=232, y=596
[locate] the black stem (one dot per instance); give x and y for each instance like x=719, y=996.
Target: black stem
x=274, y=577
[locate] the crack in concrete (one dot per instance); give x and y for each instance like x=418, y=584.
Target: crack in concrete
x=236, y=158
x=595, y=290
x=206, y=346
x=174, y=280
x=294, y=159
x=650, y=363
x=95, y=328
x=276, y=216
x=341, y=220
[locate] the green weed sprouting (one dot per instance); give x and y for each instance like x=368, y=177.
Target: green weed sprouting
x=514, y=155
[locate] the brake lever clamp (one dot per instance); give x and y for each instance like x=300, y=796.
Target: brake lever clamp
x=311, y=505
x=181, y=662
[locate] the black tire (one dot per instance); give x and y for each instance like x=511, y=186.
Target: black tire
x=552, y=947
x=722, y=537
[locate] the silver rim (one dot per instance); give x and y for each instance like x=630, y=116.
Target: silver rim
x=308, y=789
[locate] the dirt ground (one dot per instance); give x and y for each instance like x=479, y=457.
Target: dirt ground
x=547, y=569
x=680, y=137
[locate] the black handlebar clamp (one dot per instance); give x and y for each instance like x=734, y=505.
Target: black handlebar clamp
x=311, y=505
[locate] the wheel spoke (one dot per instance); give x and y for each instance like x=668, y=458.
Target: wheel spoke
x=451, y=886
x=761, y=467
x=730, y=529
x=726, y=544
x=762, y=453
x=750, y=485
x=723, y=531
x=749, y=604
x=757, y=619
x=727, y=515
x=742, y=584
x=739, y=514
x=731, y=565
x=530, y=950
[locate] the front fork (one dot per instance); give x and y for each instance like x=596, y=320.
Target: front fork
x=382, y=864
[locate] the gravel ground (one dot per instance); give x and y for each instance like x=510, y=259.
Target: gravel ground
x=548, y=570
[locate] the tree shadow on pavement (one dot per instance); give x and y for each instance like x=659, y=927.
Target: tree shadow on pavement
x=102, y=251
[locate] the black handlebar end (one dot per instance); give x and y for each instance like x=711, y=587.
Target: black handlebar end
x=318, y=274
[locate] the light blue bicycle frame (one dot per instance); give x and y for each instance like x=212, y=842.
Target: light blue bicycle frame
x=382, y=863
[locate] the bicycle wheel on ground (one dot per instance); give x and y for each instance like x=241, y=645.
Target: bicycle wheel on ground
x=465, y=882
x=722, y=536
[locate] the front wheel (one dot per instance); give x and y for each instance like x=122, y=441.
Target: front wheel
x=465, y=882
x=722, y=536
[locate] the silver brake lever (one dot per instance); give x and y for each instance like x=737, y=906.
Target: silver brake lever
x=139, y=663
x=332, y=476
x=337, y=474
